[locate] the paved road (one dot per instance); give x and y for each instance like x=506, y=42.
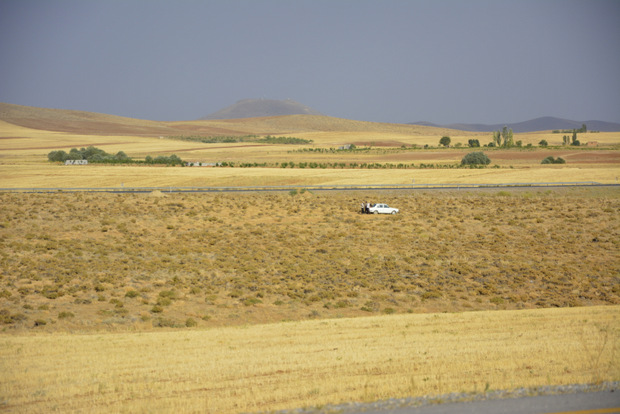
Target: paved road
x=604, y=402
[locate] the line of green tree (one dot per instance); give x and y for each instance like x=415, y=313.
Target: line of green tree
x=566, y=139
x=244, y=138
x=345, y=165
x=98, y=156
x=583, y=129
x=551, y=160
x=503, y=138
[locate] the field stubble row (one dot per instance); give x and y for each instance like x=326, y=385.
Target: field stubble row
x=309, y=363
x=103, y=261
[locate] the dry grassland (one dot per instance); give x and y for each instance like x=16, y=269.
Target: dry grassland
x=55, y=176
x=186, y=283
x=311, y=363
x=105, y=261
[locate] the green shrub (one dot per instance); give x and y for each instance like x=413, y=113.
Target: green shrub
x=162, y=301
x=190, y=322
x=131, y=294
x=497, y=300
x=165, y=323
x=475, y=158
x=157, y=309
x=65, y=315
x=433, y=294
x=171, y=294
x=551, y=160
x=6, y=318
x=252, y=301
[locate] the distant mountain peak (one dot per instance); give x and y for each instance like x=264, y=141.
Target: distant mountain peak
x=254, y=108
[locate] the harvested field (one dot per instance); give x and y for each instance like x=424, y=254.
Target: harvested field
x=287, y=365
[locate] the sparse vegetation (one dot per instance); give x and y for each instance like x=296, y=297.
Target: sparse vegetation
x=184, y=254
x=245, y=138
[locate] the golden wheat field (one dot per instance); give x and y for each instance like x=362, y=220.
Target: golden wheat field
x=396, y=152
x=311, y=363
x=245, y=302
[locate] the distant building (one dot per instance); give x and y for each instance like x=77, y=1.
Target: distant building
x=592, y=144
x=76, y=162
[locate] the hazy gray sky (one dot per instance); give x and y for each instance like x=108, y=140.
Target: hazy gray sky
x=443, y=61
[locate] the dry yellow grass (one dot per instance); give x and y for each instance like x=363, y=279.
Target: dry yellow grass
x=294, y=364
x=23, y=156
x=57, y=176
x=284, y=365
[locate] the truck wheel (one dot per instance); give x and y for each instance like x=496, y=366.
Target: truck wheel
x=375, y=212
x=393, y=212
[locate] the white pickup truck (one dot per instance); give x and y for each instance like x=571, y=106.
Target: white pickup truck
x=382, y=209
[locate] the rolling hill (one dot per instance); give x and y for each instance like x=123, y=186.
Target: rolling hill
x=81, y=122
x=546, y=123
x=101, y=124
x=254, y=108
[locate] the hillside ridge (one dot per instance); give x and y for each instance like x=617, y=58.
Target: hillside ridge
x=93, y=123
x=254, y=108
x=545, y=123
x=73, y=121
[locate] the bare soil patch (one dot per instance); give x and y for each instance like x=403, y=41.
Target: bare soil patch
x=379, y=143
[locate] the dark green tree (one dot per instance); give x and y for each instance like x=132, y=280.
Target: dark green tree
x=475, y=158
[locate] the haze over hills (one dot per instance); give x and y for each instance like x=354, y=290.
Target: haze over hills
x=546, y=123
x=255, y=108
x=101, y=124
x=278, y=117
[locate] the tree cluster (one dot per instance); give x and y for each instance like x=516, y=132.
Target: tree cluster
x=567, y=139
x=91, y=154
x=476, y=158
x=551, y=160
x=98, y=156
x=503, y=138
